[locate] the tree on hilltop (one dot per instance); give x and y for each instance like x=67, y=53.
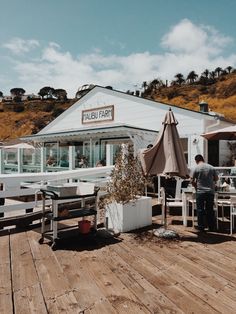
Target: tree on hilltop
x=144, y=85
x=1, y=94
x=60, y=94
x=229, y=69
x=206, y=73
x=154, y=84
x=17, y=92
x=218, y=71
x=192, y=76
x=179, y=78
x=46, y=91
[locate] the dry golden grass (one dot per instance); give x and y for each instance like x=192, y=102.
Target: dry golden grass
x=221, y=96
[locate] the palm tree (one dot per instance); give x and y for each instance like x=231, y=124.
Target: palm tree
x=153, y=85
x=179, y=78
x=144, y=85
x=218, y=71
x=206, y=73
x=213, y=75
x=192, y=76
x=229, y=69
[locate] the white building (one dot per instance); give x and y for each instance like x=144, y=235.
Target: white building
x=104, y=118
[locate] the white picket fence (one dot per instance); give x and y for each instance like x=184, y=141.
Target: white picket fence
x=28, y=184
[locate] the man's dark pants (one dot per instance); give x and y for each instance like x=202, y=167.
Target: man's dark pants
x=205, y=208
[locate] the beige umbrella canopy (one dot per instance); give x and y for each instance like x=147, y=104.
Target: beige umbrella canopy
x=19, y=145
x=166, y=156
x=228, y=133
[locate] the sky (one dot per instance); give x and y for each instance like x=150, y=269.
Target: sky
x=120, y=43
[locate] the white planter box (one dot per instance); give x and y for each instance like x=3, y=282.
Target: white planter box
x=130, y=216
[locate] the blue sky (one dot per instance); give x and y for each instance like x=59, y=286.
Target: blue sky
x=68, y=43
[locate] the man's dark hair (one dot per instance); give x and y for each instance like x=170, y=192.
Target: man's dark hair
x=199, y=158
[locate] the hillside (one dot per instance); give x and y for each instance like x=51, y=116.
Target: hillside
x=220, y=96
x=20, y=119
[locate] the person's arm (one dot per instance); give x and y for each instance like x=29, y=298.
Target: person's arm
x=194, y=183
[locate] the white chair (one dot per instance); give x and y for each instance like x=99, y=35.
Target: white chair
x=173, y=202
x=232, y=212
x=191, y=199
x=176, y=201
x=221, y=203
x=166, y=204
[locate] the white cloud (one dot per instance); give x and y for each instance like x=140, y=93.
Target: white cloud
x=184, y=37
x=20, y=46
x=188, y=38
x=188, y=47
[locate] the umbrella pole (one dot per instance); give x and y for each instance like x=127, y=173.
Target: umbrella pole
x=165, y=210
x=165, y=205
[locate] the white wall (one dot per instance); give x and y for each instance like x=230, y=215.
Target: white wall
x=129, y=110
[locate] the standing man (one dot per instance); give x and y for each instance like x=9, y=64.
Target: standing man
x=204, y=179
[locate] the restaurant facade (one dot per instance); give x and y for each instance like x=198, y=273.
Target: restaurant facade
x=95, y=126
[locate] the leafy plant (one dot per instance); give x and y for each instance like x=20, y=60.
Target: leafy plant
x=127, y=181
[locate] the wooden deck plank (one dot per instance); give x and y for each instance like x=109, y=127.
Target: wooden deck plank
x=65, y=303
x=159, y=277
x=54, y=284
x=220, y=280
x=223, y=294
x=180, y=272
x=30, y=300
x=6, y=305
x=208, y=278
x=122, y=299
x=28, y=297
x=211, y=264
x=24, y=274
x=152, y=298
x=87, y=293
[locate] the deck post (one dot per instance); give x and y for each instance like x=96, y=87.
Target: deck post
x=108, y=155
x=71, y=157
x=19, y=160
x=43, y=159
x=1, y=161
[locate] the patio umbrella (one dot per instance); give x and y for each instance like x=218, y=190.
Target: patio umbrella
x=166, y=156
x=20, y=145
x=228, y=133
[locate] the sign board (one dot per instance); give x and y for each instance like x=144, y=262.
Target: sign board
x=101, y=114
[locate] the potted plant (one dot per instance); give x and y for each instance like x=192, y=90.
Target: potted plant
x=126, y=207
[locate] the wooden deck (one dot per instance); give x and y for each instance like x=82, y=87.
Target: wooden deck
x=132, y=273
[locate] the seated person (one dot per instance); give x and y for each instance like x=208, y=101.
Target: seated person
x=64, y=161
x=100, y=163
x=83, y=163
x=50, y=161
x=226, y=185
